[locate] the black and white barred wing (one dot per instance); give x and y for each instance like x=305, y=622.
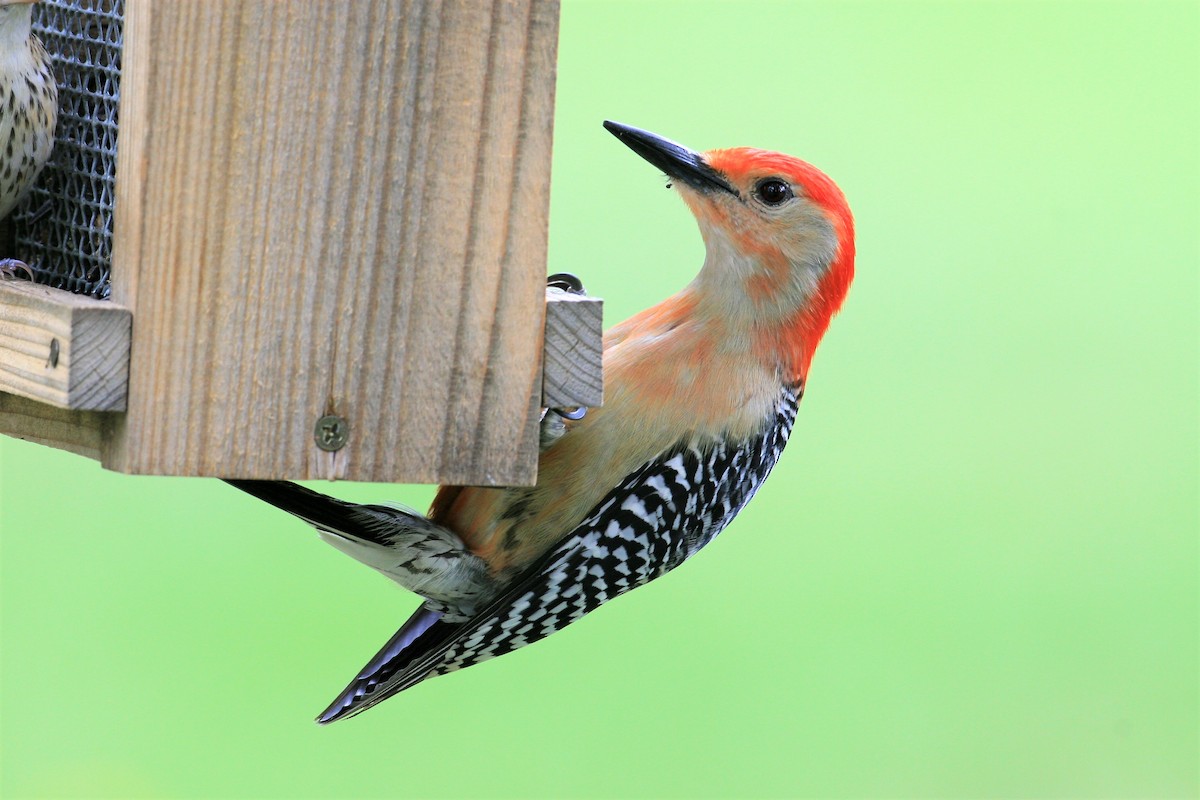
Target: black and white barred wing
x=653, y=521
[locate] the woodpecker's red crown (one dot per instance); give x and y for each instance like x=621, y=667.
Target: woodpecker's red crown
x=788, y=207
x=779, y=238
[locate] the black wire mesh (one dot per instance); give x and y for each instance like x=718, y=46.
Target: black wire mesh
x=63, y=228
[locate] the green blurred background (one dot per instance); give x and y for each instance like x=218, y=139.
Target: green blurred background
x=974, y=573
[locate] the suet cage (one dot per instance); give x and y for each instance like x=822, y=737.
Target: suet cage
x=295, y=240
x=64, y=229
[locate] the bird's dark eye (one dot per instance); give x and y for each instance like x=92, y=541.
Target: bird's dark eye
x=773, y=191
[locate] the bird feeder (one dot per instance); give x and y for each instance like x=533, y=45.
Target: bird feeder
x=295, y=240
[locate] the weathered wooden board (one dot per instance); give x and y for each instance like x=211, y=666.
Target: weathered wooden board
x=334, y=208
x=63, y=349
x=81, y=432
x=571, y=364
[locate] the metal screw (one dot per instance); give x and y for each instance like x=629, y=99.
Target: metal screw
x=331, y=432
x=52, y=362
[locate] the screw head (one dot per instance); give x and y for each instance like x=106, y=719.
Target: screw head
x=52, y=361
x=331, y=432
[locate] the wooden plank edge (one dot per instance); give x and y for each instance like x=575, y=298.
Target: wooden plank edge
x=63, y=349
x=80, y=432
x=572, y=373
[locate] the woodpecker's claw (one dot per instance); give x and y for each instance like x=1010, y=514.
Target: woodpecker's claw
x=552, y=418
x=566, y=282
x=552, y=426
x=9, y=267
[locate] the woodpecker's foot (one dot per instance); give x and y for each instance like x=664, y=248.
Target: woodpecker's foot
x=10, y=267
x=553, y=419
x=566, y=282
x=554, y=424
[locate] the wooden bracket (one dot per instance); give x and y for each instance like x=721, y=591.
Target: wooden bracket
x=54, y=401
x=64, y=349
x=81, y=432
x=571, y=363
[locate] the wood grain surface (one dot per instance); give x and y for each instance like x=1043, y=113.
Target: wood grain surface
x=81, y=432
x=334, y=208
x=574, y=345
x=63, y=349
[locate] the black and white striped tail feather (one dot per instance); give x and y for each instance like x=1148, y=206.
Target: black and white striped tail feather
x=658, y=517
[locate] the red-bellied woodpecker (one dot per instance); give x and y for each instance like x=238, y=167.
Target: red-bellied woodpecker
x=700, y=396
x=28, y=110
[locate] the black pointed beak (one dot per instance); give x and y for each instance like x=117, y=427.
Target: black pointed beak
x=677, y=161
